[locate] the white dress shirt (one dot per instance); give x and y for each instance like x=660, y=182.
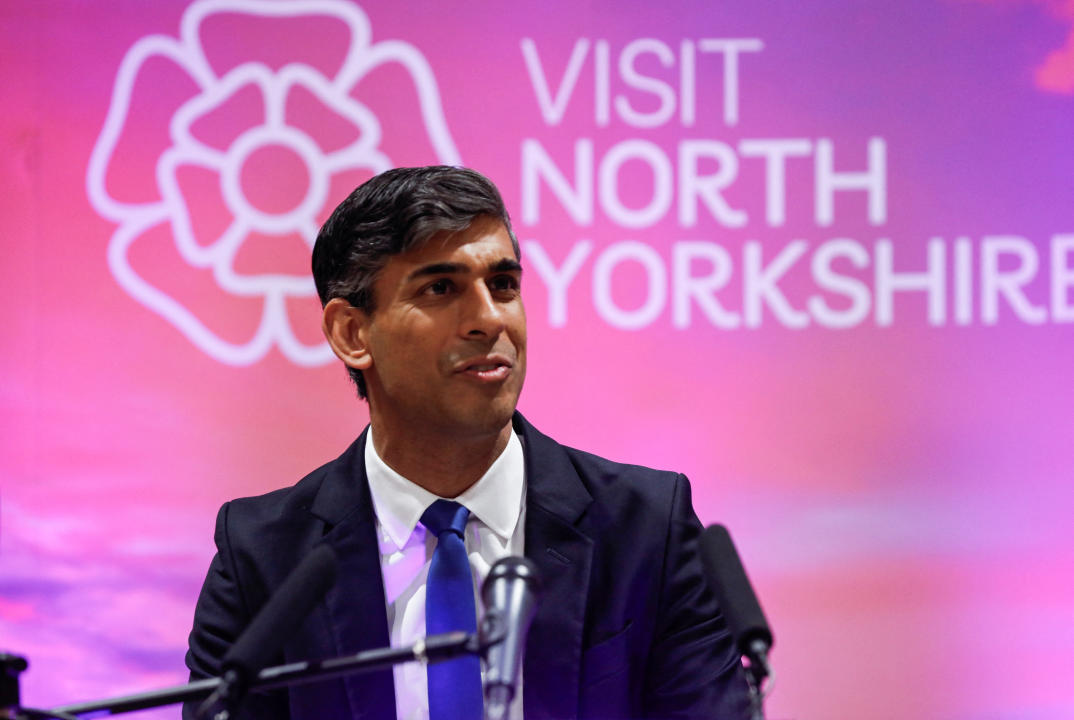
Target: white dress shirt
x=495, y=529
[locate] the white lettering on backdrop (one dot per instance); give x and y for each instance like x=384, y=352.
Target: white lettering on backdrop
x=648, y=83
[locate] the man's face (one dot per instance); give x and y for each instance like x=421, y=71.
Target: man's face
x=447, y=341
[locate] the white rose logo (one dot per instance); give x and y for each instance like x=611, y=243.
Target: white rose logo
x=229, y=164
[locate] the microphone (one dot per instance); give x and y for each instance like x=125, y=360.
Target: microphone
x=726, y=576
x=264, y=636
x=510, y=594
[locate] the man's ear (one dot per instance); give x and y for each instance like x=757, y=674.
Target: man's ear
x=346, y=328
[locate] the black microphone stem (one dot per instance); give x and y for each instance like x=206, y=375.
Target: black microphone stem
x=433, y=649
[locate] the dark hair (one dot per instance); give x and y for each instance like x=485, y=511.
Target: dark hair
x=392, y=213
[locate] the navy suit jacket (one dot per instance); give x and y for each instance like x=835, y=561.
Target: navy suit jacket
x=626, y=625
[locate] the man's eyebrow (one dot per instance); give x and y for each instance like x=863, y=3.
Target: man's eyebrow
x=442, y=268
x=446, y=268
x=506, y=265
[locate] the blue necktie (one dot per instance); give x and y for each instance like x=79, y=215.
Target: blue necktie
x=454, y=685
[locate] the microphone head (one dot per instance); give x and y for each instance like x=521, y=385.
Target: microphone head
x=727, y=578
x=510, y=568
x=510, y=595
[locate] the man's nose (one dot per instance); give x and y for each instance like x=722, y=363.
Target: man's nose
x=483, y=315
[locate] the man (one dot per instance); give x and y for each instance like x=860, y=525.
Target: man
x=419, y=276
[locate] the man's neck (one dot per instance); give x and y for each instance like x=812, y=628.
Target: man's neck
x=445, y=465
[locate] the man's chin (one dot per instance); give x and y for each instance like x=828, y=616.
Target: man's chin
x=489, y=418
x=497, y=419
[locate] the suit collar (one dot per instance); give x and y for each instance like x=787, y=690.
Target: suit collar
x=552, y=481
x=343, y=489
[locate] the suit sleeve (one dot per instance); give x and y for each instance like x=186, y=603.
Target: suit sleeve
x=221, y=614
x=693, y=670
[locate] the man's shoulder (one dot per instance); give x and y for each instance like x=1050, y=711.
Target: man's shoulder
x=602, y=477
x=627, y=493
x=605, y=471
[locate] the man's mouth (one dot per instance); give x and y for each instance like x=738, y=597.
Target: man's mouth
x=487, y=369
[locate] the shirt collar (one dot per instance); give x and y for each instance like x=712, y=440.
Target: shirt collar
x=495, y=499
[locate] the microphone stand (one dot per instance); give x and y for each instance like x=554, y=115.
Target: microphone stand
x=434, y=648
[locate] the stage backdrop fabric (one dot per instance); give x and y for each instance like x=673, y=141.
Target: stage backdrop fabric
x=819, y=256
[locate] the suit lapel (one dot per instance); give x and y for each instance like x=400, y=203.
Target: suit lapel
x=555, y=501
x=356, y=603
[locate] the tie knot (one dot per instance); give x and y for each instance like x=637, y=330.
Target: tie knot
x=445, y=515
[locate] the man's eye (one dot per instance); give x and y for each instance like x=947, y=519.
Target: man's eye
x=440, y=287
x=502, y=283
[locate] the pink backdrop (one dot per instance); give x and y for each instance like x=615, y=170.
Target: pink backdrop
x=819, y=256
